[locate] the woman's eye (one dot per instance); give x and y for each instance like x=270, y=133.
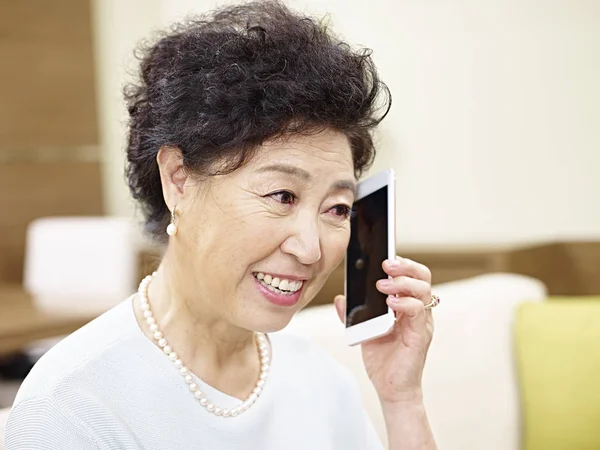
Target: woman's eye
x=285, y=197
x=342, y=211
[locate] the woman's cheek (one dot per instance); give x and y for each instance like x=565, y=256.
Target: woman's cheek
x=335, y=244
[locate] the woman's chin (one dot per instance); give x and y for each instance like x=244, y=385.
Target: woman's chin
x=271, y=321
x=267, y=320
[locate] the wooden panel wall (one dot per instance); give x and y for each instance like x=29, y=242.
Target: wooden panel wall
x=47, y=89
x=567, y=268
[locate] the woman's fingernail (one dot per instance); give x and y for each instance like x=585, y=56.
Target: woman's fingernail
x=393, y=299
x=385, y=282
x=393, y=263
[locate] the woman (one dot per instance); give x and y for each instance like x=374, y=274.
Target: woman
x=248, y=129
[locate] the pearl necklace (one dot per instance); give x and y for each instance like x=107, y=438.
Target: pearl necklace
x=261, y=341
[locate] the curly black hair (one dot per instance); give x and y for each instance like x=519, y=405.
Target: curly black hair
x=220, y=85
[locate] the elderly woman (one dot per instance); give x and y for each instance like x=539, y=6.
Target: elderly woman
x=248, y=129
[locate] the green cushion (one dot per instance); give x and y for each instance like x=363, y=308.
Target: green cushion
x=558, y=360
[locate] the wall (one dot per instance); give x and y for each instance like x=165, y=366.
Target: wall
x=118, y=27
x=494, y=133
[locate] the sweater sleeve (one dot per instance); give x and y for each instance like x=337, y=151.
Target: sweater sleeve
x=38, y=424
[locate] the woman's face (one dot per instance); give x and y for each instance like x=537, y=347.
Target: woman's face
x=284, y=215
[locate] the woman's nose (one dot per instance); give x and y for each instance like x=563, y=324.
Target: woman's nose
x=304, y=243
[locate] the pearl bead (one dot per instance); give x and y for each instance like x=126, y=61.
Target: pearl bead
x=210, y=407
x=154, y=328
x=145, y=306
x=188, y=379
x=172, y=229
x=183, y=370
x=167, y=349
x=173, y=356
x=158, y=335
x=162, y=342
x=150, y=320
x=260, y=383
x=193, y=387
x=265, y=360
x=253, y=397
x=263, y=376
x=218, y=411
x=264, y=353
x=178, y=363
x=198, y=395
x=265, y=367
x=234, y=412
x=204, y=401
x=226, y=413
x=257, y=390
x=147, y=314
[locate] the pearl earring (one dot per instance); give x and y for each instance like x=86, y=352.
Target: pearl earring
x=172, y=228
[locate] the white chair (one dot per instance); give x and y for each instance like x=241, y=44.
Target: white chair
x=470, y=381
x=80, y=265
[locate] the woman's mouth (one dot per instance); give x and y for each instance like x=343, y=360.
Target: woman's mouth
x=278, y=290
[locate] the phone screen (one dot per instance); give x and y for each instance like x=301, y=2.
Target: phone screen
x=367, y=250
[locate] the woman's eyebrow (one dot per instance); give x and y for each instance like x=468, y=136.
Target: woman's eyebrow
x=302, y=174
x=345, y=185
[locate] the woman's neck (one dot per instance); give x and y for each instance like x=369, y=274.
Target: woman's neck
x=220, y=353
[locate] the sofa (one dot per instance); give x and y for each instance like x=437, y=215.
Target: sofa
x=509, y=368
x=487, y=377
x=470, y=384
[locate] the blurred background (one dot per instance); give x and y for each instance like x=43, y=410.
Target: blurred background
x=494, y=135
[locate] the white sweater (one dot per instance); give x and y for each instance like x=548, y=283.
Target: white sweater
x=107, y=386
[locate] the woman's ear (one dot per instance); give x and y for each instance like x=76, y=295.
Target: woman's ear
x=172, y=175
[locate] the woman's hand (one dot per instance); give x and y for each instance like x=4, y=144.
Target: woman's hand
x=395, y=362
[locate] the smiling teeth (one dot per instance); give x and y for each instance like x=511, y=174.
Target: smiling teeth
x=277, y=283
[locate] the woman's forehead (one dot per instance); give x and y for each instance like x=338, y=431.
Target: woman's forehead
x=327, y=147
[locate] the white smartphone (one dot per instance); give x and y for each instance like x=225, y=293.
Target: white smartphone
x=372, y=240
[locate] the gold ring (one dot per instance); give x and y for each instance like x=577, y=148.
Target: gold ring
x=435, y=300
